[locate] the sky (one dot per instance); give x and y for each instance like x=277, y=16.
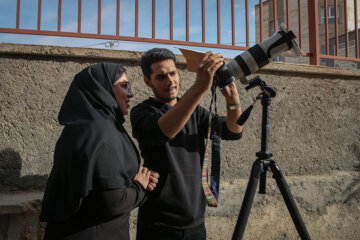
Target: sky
x=49, y=18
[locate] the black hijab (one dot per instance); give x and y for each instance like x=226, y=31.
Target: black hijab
x=94, y=151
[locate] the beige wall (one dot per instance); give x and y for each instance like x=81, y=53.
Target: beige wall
x=314, y=136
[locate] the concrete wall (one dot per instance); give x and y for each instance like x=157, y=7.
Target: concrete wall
x=314, y=136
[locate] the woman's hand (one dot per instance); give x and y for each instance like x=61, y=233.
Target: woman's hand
x=154, y=179
x=147, y=178
x=143, y=176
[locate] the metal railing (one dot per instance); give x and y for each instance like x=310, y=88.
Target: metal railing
x=319, y=35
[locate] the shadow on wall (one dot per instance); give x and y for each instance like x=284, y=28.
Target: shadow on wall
x=352, y=192
x=10, y=170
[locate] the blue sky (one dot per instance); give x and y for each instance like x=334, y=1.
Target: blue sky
x=127, y=19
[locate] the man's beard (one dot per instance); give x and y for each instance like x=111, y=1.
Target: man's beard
x=163, y=99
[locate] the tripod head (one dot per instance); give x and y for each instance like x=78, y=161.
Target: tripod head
x=257, y=81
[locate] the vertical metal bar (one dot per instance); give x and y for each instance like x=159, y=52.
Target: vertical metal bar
x=313, y=8
x=346, y=30
x=171, y=20
x=261, y=20
x=18, y=14
x=99, y=16
x=336, y=29
x=218, y=23
x=356, y=29
x=326, y=27
x=203, y=20
x=59, y=16
x=300, y=24
x=136, y=18
x=232, y=23
x=117, y=17
x=247, y=22
x=275, y=15
x=79, y=16
x=287, y=14
x=39, y=15
x=187, y=20
x=153, y=18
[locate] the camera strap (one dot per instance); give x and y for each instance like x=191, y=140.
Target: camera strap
x=213, y=136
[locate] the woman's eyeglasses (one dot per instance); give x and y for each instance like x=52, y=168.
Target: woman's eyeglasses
x=126, y=86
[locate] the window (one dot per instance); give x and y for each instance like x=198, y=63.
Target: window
x=323, y=49
x=331, y=15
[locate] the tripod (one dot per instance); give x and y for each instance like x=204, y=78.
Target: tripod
x=261, y=165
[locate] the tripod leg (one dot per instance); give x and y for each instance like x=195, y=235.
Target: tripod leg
x=289, y=201
x=248, y=200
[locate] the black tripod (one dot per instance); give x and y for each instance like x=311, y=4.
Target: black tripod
x=261, y=165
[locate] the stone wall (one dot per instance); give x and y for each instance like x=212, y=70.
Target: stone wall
x=314, y=137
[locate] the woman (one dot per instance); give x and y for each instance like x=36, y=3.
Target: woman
x=96, y=179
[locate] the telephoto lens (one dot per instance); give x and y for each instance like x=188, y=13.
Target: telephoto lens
x=257, y=57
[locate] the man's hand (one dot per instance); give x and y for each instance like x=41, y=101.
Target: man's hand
x=232, y=98
x=231, y=94
x=206, y=69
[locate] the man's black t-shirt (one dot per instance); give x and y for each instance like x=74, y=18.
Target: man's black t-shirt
x=178, y=201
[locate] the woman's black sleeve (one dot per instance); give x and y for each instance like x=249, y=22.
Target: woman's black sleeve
x=118, y=201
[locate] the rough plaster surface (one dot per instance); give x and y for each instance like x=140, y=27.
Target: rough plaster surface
x=314, y=137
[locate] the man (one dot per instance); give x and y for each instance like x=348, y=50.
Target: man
x=171, y=133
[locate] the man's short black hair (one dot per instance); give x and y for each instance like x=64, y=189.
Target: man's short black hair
x=154, y=55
